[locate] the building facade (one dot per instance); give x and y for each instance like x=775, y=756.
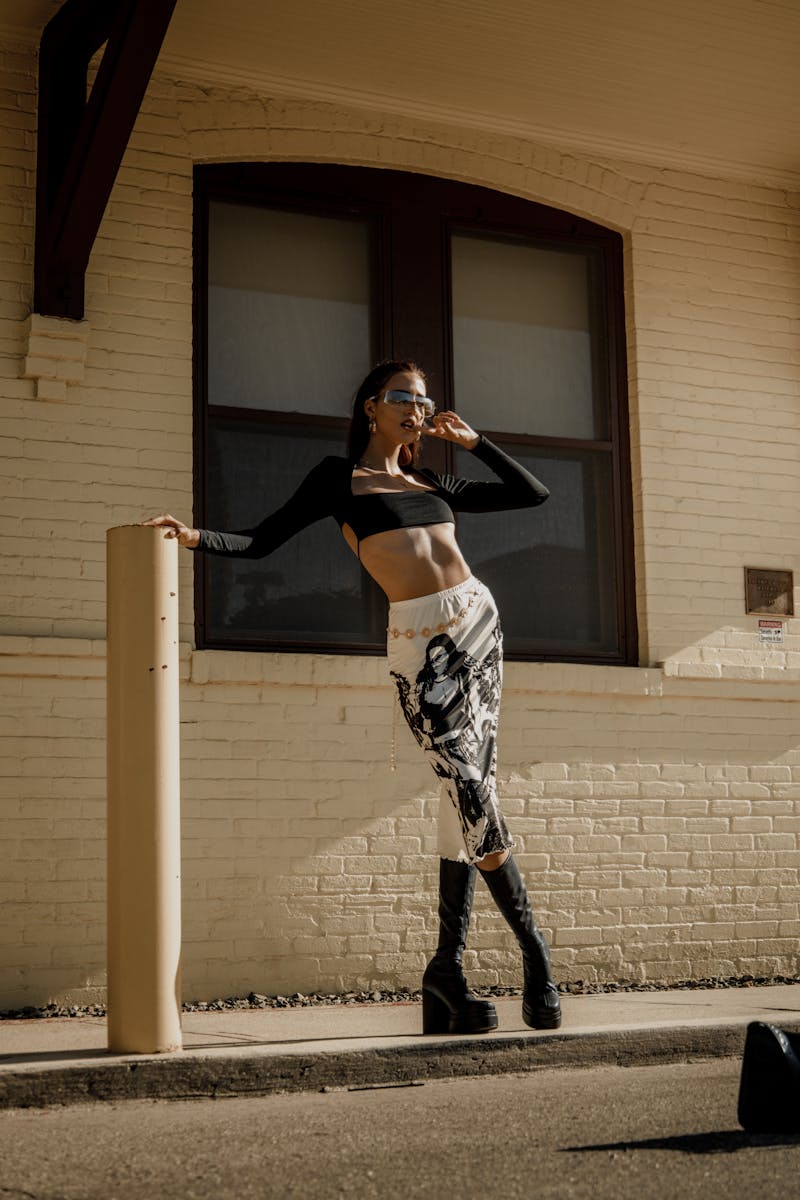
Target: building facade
x=653, y=790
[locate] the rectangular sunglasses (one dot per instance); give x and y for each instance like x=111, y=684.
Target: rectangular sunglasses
x=394, y=396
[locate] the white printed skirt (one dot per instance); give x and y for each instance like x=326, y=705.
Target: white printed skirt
x=445, y=656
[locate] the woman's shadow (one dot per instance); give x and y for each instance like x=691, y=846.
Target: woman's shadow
x=718, y=1141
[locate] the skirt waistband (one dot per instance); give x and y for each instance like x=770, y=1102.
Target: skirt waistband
x=396, y=607
x=439, y=612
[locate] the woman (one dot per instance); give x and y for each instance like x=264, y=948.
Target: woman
x=444, y=651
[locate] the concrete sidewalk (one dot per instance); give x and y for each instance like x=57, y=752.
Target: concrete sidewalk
x=259, y=1051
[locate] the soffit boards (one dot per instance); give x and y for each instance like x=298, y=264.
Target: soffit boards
x=711, y=85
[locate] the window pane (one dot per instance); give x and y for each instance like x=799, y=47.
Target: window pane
x=312, y=589
x=527, y=324
x=288, y=309
x=311, y=274
x=551, y=569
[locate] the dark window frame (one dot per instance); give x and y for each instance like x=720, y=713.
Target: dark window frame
x=444, y=208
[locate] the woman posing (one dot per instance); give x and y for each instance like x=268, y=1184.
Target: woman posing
x=444, y=648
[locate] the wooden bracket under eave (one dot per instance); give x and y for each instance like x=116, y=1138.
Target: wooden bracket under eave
x=81, y=142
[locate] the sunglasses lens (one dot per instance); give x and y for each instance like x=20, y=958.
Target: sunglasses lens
x=423, y=402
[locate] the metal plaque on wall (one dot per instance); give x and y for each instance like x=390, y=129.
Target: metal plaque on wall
x=769, y=591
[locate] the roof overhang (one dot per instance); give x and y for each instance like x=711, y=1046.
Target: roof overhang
x=712, y=87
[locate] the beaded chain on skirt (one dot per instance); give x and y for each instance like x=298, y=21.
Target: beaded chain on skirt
x=445, y=656
x=442, y=627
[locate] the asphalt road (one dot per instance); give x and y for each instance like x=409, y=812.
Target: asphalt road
x=637, y=1132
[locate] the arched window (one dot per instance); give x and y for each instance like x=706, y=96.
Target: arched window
x=306, y=276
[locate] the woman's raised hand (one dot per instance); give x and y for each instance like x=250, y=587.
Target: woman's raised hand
x=176, y=529
x=449, y=426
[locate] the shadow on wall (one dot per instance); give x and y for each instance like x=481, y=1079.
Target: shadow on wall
x=332, y=882
x=337, y=889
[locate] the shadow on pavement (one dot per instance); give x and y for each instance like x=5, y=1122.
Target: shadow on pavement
x=221, y=1042
x=720, y=1141
x=46, y=1056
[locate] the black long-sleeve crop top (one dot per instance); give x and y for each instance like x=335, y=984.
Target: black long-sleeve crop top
x=327, y=491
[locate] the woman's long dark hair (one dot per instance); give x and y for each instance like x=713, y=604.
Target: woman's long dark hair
x=375, y=382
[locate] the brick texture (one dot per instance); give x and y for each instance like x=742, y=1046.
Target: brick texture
x=656, y=809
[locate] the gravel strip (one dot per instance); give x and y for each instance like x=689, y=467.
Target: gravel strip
x=315, y=999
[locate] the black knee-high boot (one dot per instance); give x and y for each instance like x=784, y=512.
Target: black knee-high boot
x=541, y=1008
x=448, y=1006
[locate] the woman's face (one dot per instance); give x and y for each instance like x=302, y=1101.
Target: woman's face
x=437, y=657
x=398, y=423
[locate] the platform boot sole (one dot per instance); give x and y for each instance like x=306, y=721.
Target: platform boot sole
x=439, y=1017
x=540, y=1020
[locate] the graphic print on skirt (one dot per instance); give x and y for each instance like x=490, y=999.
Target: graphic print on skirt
x=451, y=704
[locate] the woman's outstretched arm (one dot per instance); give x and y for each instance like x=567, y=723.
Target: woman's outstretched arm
x=314, y=499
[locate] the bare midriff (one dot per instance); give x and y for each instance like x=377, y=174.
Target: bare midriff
x=407, y=563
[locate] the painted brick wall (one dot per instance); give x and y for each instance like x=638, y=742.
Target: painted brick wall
x=656, y=819
x=716, y=302
x=656, y=809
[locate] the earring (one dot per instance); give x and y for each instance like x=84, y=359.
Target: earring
x=373, y=426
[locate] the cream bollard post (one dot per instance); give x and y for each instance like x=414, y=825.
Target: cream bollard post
x=144, y=887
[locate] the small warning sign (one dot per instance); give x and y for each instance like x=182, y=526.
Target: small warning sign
x=770, y=632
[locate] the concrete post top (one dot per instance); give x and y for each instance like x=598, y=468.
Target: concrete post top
x=139, y=525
